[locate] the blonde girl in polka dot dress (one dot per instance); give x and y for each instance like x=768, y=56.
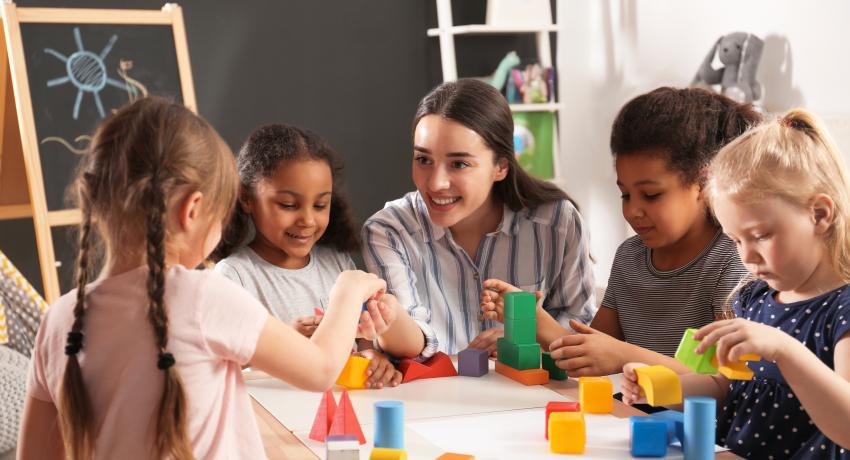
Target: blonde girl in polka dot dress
x=782, y=194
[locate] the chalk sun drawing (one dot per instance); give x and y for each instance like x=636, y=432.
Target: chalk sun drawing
x=86, y=71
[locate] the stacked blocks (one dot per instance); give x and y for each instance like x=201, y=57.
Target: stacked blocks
x=353, y=375
x=389, y=424
x=342, y=447
x=555, y=372
x=559, y=406
x=661, y=385
x=706, y=363
x=454, y=456
x=439, y=365
x=596, y=394
x=648, y=437
x=382, y=453
x=473, y=362
x=566, y=432
x=518, y=350
x=699, y=427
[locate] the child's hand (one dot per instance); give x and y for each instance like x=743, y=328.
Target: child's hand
x=486, y=340
x=739, y=336
x=589, y=352
x=306, y=325
x=378, y=317
x=380, y=372
x=632, y=393
x=365, y=285
x=493, y=299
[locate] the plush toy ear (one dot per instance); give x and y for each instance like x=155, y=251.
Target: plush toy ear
x=750, y=57
x=707, y=74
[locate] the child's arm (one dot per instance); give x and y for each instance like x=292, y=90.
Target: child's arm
x=39, y=436
x=398, y=335
x=821, y=391
x=493, y=307
x=313, y=364
x=714, y=386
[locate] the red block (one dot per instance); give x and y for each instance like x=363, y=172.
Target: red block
x=318, y=311
x=439, y=365
x=324, y=417
x=559, y=406
x=345, y=420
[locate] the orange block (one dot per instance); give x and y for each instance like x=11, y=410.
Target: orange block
x=526, y=377
x=454, y=456
x=324, y=417
x=353, y=375
x=345, y=420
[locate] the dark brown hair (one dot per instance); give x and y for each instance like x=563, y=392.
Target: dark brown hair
x=141, y=158
x=260, y=155
x=688, y=126
x=478, y=106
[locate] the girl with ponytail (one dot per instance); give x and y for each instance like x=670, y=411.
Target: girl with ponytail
x=145, y=361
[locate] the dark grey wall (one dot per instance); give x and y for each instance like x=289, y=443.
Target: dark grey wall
x=353, y=71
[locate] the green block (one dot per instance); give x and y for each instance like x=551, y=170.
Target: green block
x=555, y=372
x=687, y=355
x=521, y=330
x=520, y=305
x=519, y=356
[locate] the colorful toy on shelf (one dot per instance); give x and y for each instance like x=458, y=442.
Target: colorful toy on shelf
x=473, y=362
x=559, y=406
x=389, y=424
x=439, y=365
x=648, y=437
x=660, y=384
x=567, y=432
x=596, y=395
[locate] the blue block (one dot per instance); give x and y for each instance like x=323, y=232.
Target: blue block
x=700, y=420
x=675, y=425
x=389, y=424
x=648, y=437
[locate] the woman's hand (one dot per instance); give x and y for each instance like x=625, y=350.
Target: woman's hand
x=380, y=314
x=486, y=340
x=493, y=299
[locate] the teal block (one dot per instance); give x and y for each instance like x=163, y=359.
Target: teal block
x=555, y=372
x=520, y=305
x=521, y=330
x=519, y=356
x=687, y=355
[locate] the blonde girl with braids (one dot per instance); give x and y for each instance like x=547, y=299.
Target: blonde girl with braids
x=782, y=194
x=145, y=361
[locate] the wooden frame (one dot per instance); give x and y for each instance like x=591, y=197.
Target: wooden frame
x=22, y=192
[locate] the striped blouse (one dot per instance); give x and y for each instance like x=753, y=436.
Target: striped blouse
x=544, y=249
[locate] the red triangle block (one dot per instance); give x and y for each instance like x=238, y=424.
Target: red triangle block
x=345, y=420
x=324, y=417
x=439, y=365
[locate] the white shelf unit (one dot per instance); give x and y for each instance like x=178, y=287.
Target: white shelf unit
x=446, y=32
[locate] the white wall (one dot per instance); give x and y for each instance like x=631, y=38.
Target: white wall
x=612, y=50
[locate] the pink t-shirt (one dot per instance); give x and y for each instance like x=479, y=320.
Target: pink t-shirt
x=213, y=330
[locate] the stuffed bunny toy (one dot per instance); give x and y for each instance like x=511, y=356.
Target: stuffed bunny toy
x=740, y=53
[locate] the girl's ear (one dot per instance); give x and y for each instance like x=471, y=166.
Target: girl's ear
x=246, y=201
x=822, y=212
x=190, y=210
x=502, y=168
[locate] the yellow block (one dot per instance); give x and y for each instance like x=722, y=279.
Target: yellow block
x=661, y=385
x=353, y=375
x=596, y=395
x=383, y=453
x=454, y=456
x=566, y=432
x=736, y=371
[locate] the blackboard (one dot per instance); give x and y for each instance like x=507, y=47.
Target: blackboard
x=76, y=78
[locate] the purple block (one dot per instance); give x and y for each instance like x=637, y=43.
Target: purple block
x=473, y=362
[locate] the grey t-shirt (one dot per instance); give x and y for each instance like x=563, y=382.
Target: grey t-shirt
x=286, y=293
x=655, y=307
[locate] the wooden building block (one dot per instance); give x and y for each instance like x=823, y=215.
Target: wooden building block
x=596, y=395
x=439, y=365
x=548, y=363
x=736, y=371
x=559, y=406
x=345, y=420
x=686, y=354
x=519, y=356
x=521, y=330
x=525, y=377
x=648, y=437
x=567, y=432
x=700, y=423
x=324, y=417
x=342, y=447
x=473, y=362
x=454, y=456
x=520, y=305
x=353, y=375
x=383, y=453
x=675, y=424
x=660, y=384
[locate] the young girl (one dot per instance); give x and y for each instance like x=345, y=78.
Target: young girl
x=782, y=194
x=662, y=142
x=476, y=214
x=146, y=360
x=292, y=208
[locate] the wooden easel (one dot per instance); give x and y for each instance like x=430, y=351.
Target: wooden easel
x=22, y=192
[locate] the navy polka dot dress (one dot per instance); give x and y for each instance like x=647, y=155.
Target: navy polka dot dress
x=762, y=418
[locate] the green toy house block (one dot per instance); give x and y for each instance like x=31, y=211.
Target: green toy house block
x=555, y=372
x=521, y=330
x=518, y=356
x=687, y=355
x=520, y=305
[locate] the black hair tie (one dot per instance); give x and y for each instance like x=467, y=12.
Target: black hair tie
x=165, y=361
x=74, y=343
